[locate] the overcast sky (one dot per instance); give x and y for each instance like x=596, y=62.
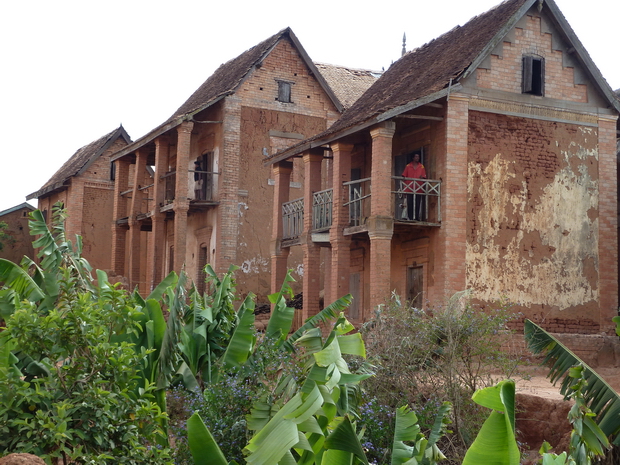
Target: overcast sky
x=74, y=70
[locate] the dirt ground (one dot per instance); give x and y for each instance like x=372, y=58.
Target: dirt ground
x=539, y=385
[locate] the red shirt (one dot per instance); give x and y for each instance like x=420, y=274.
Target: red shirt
x=410, y=172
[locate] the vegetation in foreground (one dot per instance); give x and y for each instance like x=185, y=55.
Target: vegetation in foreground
x=85, y=368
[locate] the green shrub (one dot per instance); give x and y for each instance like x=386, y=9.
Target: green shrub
x=79, y=399
x=225, y=403
x=423, y=358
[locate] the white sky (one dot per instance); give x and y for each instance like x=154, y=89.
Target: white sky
x=74, y=70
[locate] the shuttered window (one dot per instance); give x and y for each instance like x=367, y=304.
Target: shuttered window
x=284, y=92
x=533, y=75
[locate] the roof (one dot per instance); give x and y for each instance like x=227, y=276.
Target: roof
x=21, y=206
x=80, y=161
x=347, y=83
x=226, y=80
x=434, y=69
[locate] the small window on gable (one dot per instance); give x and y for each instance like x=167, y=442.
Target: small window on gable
x=284, y=92
x=533, y=75
x=112, y=171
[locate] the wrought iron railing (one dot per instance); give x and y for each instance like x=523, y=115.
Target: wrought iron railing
x=322, y=206
x=292, y=218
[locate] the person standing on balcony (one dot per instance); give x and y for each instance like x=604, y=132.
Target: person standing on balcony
x=413, y=189
x=197, y=181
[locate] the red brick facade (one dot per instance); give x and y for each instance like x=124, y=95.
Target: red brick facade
x=528, y=204
x=223, y=216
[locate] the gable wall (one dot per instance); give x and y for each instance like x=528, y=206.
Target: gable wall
x=531, y=36
x=238, y=230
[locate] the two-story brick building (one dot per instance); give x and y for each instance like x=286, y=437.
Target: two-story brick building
x=516, y=129
x=194, y=190
x=85, y=186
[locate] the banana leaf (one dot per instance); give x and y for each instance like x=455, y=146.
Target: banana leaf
x=203, y=447
x=496, y=443
x=600, y=397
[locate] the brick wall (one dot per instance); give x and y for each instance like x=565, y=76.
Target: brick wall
x=20, y=243
x=532, y=36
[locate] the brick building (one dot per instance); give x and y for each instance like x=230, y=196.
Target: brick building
x=20, y=241
x=194, y=190
x=85, y=185
x=517, y=131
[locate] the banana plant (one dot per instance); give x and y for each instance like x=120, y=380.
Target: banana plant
x=38, y=283
x=496, y=442
x=598, y=395
x=423, y=451
x=311, y=425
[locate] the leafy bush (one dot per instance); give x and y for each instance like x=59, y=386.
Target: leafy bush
x=423, y=358
x=69, y=380
x=225, y=403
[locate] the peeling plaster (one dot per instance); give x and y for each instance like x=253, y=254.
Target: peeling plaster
x=538, y=251
x=242, y=207
x=255, y=265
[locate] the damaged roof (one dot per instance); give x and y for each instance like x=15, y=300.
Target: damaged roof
x=226, y=80
x=80, y=161
x=347, y=83
x=432, y=70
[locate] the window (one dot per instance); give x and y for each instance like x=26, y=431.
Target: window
x=284, y=92
x=533, y=75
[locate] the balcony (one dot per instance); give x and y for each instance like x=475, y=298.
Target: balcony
x=292, y=219
x=203, y=194
x=424, y=192
x=322, y=206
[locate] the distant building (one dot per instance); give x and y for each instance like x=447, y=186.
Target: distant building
x=85, y=186
x=20, y=242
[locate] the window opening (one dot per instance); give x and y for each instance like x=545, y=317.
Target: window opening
x=284, y=92
x=533, y=75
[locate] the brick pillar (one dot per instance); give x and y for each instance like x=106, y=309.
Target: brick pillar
x=120, y=211
x=381, y=222
x=312, y=252
x=135, y=225
x=75, y=205
x=181, y=202
x=282, y=175
x=450, y=275
x=157, y=241
x=340, y=244
x=608, y=222
x=227, y=231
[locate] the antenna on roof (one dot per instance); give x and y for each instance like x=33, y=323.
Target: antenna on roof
x=404, y=49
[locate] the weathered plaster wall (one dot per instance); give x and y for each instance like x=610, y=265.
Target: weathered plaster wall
x=256, y=195
x=532, y=219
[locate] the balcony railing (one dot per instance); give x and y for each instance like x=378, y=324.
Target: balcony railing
x=204, y=185
x=359, y=201
x=417, y=200
x=322, y=206
x=292, y=218
x=170, y=179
